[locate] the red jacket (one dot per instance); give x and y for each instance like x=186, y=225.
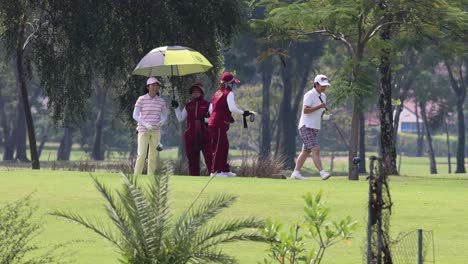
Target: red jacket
x=197, y=109
x=220, y=116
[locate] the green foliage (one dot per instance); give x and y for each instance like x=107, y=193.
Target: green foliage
x=144, y=231
x=290, y=247
x=79, y=44
x=18, y=229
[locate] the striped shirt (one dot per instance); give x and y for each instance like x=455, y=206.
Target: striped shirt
x=151, y=109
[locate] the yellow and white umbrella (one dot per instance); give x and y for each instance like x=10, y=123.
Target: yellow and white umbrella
x=171, y=61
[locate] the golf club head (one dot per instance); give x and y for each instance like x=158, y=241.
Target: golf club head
x=356, y=160
x=160, y=147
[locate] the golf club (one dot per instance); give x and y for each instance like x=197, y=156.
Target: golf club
x=356, y=160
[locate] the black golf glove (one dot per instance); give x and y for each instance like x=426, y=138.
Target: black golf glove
x=174, y=104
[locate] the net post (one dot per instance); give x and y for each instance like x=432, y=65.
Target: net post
x=420, y=246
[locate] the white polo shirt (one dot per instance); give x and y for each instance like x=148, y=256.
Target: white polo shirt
x=312, y=120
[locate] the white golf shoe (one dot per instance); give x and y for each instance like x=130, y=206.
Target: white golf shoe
x=296, y=175
x=230, y=174
x=324, y=175
x=219, y=174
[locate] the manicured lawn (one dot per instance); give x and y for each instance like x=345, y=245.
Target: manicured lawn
x=431, y=203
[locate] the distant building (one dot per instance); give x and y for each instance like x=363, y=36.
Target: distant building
x=408, y=119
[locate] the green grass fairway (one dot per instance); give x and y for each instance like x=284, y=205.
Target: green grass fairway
x=431, y=203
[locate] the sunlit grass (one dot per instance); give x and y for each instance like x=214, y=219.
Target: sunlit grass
x=420, y=201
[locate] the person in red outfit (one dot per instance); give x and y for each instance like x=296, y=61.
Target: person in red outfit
x=223, y=105
x=196, y=136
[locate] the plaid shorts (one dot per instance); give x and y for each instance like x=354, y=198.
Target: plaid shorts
x=309, y=137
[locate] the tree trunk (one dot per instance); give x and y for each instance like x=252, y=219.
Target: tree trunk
x=385, y=104
x=461, y=139
x=19, y=135
x=420, y=140
x=449, y=155
x=433, y=165
x=265, y=147
x=98, y=152
x=8, y=147
x=287, y=142
x=42, y=144
x=460, y=89
x=65, y=144
x=353, y=142
x=362, y=143
x=407, y=79
x=24, y=95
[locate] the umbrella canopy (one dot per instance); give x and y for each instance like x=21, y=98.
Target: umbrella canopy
x=172, y=61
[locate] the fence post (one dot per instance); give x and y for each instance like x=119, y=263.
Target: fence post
x=420, y=246
x=369, y=222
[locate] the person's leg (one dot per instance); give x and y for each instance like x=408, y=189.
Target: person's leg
x=220, y=149
x=141, y=152
x=301, y=159
x=192, y=155
x=224, y=151
x=153, y=143
x=214, y=136
x=305, y=134
x=316, y=158
x=206, y=150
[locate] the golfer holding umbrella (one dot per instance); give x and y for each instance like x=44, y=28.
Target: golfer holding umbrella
x=151, y=113
x=223, y=105
x=314, y=105
x=196, y=136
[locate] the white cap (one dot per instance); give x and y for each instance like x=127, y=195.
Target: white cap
x=152, y=80
x=322, y=80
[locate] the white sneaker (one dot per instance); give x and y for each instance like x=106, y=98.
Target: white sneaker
x=324, y=175
x=297, y=175
x=229, y=174
x=219, y=174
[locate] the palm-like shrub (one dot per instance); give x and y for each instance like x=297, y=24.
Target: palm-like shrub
x=144, y=231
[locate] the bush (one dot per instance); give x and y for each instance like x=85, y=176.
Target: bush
x=290, y=247
x=262, y=167
x=17, y=231
x=145, y=233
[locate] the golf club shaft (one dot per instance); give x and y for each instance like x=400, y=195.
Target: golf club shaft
x=336, y=126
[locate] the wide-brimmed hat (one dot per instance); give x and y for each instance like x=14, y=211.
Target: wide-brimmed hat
x=197, y=85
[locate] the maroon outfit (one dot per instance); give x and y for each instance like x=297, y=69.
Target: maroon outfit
x=196, y=135
x=218, y=127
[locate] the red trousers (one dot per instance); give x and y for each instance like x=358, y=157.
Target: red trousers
x=196, y=139
x=219, y=148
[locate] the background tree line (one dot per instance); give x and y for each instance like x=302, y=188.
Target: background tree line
x=69, y=65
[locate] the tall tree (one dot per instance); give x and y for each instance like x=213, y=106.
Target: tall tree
x=267, y=74
x=355, y=24
x=387, y=143
x=18, y=17
x=97, y=152
x=458, y=72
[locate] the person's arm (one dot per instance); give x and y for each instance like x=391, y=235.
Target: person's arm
x=308, y=101
x=232, y=104
x=163, y=116
x=181, y=115
x=136, y=117
x=210, y=109
x=308, y=109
